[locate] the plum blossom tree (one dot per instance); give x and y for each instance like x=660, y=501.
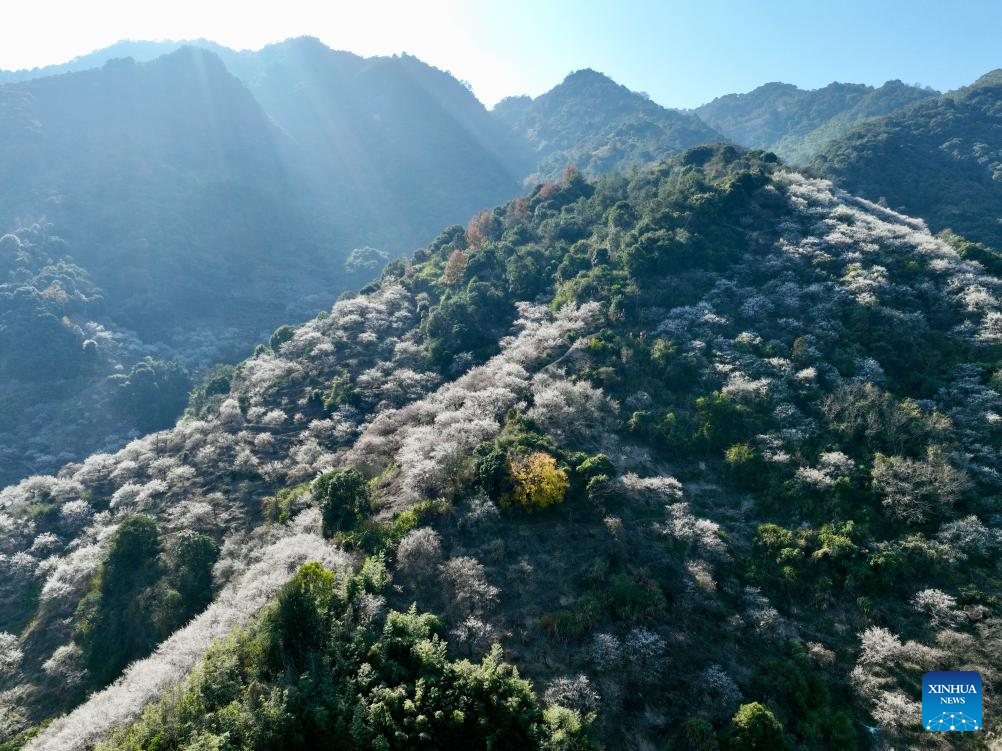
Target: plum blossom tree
x=419, y=554
x=574, y=693
x=938, y=606
x=10, y=656
x=878, y=646
x=915, y=491
x=466, y=580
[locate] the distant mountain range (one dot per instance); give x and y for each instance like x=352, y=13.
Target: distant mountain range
x=139, y=50
x=940, y=159
x=207, y=197
x=795, y=123
x=600, y=126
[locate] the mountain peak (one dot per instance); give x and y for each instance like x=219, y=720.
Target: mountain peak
x=588, y=75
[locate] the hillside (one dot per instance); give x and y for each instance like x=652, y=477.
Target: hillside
x=385, y=126
x=599, y=126
x=151, y=171
x=797, y=124
x=711, y=452
x=940, y=159
x=200, y=211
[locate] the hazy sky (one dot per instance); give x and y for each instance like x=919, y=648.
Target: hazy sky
x=682, y=52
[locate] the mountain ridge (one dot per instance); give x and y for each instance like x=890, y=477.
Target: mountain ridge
x=796, y=123
x=940, y=159
x=598, y=125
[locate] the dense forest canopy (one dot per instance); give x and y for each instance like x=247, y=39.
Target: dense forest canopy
x=795, y=123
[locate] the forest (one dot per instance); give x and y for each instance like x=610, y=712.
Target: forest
x=762, y=488
x=689, y=440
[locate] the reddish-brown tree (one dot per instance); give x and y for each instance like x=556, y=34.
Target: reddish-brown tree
x=455, y=268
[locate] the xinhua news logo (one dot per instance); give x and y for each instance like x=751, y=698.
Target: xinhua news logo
x=951, y=700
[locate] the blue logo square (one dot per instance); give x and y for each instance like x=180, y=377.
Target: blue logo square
x=951, y=700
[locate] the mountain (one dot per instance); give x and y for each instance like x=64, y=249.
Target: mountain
x=152, y=171
x=599, y=126
x=179, y=141
x=202, y=202
x=711, y=453
x=795, y=123
x=139, y=197
x=364, y=128
x=385, y=126
x=139, y=50
x=940, y=159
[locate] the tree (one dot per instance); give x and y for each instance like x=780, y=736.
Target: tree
x=538, y=482
x=455, y=268
x=698, y=735
x=10, y=655
x=366, y=259
x=755, y=728
x=567, y=730
x=189, y=561
x=281, y=335
x=917, y=491
x=113, y=627
x=654, y=253
x=419, y=553
x=300, y=619
x=343, y=497
x=722, y=420
x=745, y=466
x=479, y=229
x=622, y=215
x=465, y=577
x=154, y=392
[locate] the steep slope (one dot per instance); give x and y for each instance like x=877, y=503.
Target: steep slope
x=795, y=123
x=717, y=432
x=151, y=172
x=365, y=128
x=592, y=122
x=940, y=159
x=204, y=214
x=170, y=191
x=382, y=126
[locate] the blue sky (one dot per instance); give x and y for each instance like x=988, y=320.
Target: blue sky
x=681, y=52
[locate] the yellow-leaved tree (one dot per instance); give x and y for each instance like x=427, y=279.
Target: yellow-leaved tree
x=538, y=482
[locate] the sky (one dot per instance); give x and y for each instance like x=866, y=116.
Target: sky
x=680, y=52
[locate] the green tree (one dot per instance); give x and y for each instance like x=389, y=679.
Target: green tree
x=722, y=420
x=755, y=728
x=188, y=564
x=343, y=497
x=113, y=627
x=301, y=618
x=699, y=735
x=280, y=336
x=745, y=466
x=153, y=394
